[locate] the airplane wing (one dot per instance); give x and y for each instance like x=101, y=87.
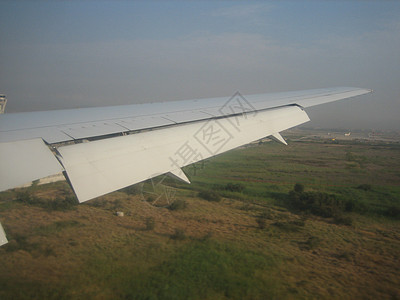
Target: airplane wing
x=103, y=149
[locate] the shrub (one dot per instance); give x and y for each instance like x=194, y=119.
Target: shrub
x=210, y=195
x=217, y=186
x=235, y=187
x=350, y=205
x=393, y=212
x=312, y=242
x=150, y=199
x=355, y=205
x=318, y=203
x=100, y=202
x=26, y=197
x=206, y=237
x=298, y=188
x=301, y=222
x=290, y=226
x=261, y=223
x=66, y=203
x=245, y=207
x=177, y=205
x=61, y=204
x=150, y=223
x=344, y=220
x=266, y=214
x=132, y=189
x=321, y=204
x=350, y=156
x=20, y=242
x=179, y=235
x=365, y=187
x=326, y=211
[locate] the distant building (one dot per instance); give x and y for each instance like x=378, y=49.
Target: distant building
x=3, y=102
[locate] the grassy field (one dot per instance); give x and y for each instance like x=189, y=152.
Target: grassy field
x=248, y=242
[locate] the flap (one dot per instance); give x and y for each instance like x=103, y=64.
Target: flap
x=103, y=166
x=25, y=161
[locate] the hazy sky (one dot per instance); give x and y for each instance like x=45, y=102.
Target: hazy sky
x=67, y=54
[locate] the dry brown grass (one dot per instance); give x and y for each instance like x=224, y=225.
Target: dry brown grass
x=345, y=262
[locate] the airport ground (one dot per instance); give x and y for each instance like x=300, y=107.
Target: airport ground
x=239, y=231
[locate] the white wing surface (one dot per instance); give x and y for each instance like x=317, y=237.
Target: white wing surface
x=72, y=124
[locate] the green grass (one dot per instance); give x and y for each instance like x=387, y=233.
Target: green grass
x=198, y=269
x=270, y=171
x=204, y=270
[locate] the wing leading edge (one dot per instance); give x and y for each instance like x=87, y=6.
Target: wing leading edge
x=74, y=124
